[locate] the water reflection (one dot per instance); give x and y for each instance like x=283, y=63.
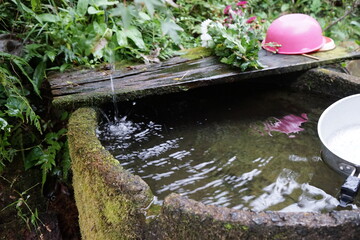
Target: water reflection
x=312, y=199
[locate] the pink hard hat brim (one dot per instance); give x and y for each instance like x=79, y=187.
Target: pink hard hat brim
x=329, y=45
x=302, y=51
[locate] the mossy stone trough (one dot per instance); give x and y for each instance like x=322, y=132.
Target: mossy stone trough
x=109, y=199
x=113, y=203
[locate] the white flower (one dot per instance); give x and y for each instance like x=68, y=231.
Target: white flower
x=204, y=26
x=206, y=39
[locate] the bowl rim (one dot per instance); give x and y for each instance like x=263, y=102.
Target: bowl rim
x=324, y=116
x=314, y=49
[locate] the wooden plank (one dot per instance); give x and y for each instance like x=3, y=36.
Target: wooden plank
x=179, y=72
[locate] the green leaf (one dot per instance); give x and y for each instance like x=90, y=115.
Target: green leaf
x=66, y=161
x=3, y=123
x=64, y=116
x=108, y=33
x=47, y=17
x=171, y=28
x=64, y=67
x=82, y=7
x=14, y=107
x=47, y=163
x=99, y=28
x=135, y=35
x=39, y=74
x=144, y=16
x=23, y=7
x=355, y=23
x=126, y=13
x=92, y=11
x=54, y=136
x=51, y=55
x=105, y=3
x=17, y=106
x=121, y=38
x=34, y=218
x=20, y=63
x=316, y=6
x=36, y=5
x=33, y=157
x=33, y=50
x=262, y=15
x=285, y=7
x=150, y=5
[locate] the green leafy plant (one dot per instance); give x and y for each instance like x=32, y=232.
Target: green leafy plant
x=93, y=31
x=235, y=39
x=21, y=128
x=16, y=109
x=45, y=154
x=191, y=13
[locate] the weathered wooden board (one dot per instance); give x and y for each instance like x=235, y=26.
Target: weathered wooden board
x=178, y=73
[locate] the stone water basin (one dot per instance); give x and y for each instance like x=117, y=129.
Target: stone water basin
x=277, y=189
x=232, y=146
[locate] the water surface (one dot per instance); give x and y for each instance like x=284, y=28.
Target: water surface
x=229, y=148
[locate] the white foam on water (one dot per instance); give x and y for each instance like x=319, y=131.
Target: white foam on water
x=345, y=143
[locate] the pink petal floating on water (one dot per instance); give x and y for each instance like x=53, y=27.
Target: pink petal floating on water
x=288, y=124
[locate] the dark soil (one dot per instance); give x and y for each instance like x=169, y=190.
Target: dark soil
x=21, y=190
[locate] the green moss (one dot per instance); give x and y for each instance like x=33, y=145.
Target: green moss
x=280, y=236
x=110, y=200
x=154, y=210
x=236, y=226
x=70, y=102
x=196, y=53
x=228, y=226
x=124, y=64
x=337, y=52
x=245, y=228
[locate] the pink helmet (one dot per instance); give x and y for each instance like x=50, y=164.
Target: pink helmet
x=294, y=34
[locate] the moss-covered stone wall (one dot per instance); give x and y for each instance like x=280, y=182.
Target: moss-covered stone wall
x=325, y=81
x=110, y=200
x=185, y=219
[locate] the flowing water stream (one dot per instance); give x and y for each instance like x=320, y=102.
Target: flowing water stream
x=243, y=149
